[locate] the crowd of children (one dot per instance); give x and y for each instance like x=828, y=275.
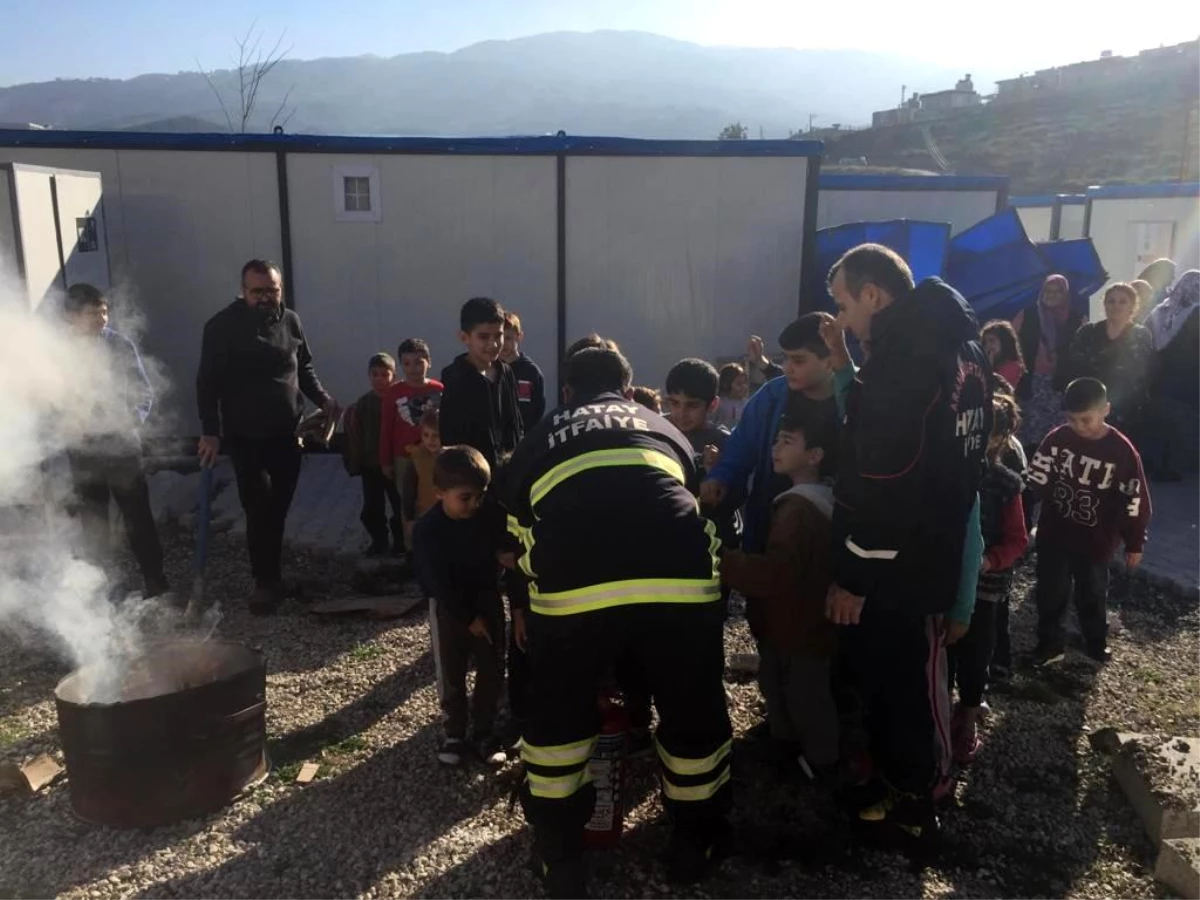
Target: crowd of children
x=430, y=448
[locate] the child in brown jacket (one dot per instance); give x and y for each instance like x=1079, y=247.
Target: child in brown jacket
x=788, y=582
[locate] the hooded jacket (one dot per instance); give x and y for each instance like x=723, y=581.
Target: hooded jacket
x=917, y=423
x=481, y=412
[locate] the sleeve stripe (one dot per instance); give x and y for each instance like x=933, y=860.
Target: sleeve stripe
x=870, y=554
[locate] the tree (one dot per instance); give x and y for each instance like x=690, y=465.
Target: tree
x=735, y=132
x=252, y=67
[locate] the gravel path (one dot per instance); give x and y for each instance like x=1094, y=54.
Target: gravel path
x=1038, y=815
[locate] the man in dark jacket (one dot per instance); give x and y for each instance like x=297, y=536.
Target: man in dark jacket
x=916, y=431
x=255, y=371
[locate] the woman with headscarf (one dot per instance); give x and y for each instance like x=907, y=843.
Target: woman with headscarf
x=1118, y=352
x=1045, y=330
x=1160, y=275
x=1174, y=327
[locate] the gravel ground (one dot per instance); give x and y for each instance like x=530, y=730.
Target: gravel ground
x=1038, y=815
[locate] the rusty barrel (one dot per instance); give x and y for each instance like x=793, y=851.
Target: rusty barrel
x=185, y=734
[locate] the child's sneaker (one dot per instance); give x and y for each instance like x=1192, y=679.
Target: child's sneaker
x=491, y=750
x=1099, y=655
x=451, y=752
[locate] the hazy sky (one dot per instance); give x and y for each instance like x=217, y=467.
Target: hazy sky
x=119, y=38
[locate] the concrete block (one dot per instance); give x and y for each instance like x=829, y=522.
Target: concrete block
x=1161, y=777
x=1178, y=866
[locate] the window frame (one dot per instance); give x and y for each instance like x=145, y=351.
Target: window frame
x=374, y=196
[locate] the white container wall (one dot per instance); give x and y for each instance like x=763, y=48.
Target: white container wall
x=1036, y=220
x=680, y=257
x=449, y=227
x=1133, y=225
x=180, y=223
x=960, y=200
x=1070, y=221
x=673, y=248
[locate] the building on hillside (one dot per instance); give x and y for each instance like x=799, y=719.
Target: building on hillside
x=920, y=107
x=1094, y=73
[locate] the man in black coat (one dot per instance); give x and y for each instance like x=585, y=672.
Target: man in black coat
x=255, y=371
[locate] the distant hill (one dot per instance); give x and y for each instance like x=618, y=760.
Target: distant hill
x=1142, y=129
x=611, y=83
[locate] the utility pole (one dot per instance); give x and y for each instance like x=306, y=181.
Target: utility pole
x=811, y=116
x=903, y=91
x=760, y=132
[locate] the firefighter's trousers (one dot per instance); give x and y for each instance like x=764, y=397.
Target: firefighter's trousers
x=681, y=648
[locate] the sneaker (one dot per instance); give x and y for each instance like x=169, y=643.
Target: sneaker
x=964, y=735
x=451, y=752
x=564, y=880
x=265, y=600
x=689, y=862
x=1099, y=655
x=1046, y=654
x=491, y=750
x=914, y=816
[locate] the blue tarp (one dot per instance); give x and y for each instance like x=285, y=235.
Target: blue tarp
x=922, y=244
x=993, y=264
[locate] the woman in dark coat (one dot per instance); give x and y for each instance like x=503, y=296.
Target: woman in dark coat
x=1045, y=330
x=1172, y=420
x=1118, y=352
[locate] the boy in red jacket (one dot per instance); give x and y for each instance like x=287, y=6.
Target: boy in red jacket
x=1094, y=493
x=402, y=410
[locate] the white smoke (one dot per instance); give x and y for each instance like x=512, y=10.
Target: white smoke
x=57, y=392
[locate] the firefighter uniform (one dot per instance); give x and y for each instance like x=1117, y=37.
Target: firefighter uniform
x=619, y=560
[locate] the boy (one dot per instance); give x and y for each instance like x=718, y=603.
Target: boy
x=108, y=461
x=531, y=386
x=647, y=397
x=1094, y=497
x=808, y=377
x=419, y=494
x=455, y=552
x=406, y=401
x=480, y=406
x=796, y=642
x=362, y=458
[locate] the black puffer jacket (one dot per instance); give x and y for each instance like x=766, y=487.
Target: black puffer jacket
x=917, y=423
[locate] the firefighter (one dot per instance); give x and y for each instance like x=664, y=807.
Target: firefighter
x=618, y=560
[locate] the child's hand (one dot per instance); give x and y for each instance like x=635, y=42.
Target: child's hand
x=954, y=632
x=711, y=455
x=843, y=607
x=507, y=558
x=1133, y=560
x=519, y=636
x=985, y=566
x=834, y=337
x=712, y=492
x=479, y=628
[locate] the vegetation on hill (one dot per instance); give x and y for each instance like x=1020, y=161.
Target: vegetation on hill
x=1140, y=130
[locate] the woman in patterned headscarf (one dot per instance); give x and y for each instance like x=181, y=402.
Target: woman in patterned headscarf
x=1045, y=331
x=1175, y=386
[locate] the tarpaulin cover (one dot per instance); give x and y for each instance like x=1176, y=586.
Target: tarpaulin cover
x=922, y=244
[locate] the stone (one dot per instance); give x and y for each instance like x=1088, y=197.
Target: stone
x=1178, y=866
x=1161, y=777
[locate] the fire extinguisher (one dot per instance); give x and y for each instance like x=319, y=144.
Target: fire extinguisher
x=608, y=771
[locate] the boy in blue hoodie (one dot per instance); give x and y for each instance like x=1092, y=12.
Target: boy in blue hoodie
x=807, y=386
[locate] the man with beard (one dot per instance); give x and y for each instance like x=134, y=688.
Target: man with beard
x=255, y=371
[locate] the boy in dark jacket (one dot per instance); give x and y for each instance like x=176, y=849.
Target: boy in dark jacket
x=531, y=385
x=1002, y=520
x=789, y=581
x=454, y=549
x=1094, y=497
x=480, y=405
x=362, y=458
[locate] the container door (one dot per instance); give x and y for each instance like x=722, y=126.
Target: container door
x=81, y=226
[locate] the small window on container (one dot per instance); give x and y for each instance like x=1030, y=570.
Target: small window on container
x=357, y=191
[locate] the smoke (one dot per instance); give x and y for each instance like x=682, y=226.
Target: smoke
x=61, y=394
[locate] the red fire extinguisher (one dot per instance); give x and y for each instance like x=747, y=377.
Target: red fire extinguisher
x=607, y=768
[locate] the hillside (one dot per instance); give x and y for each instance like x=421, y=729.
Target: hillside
x=616, y=83
x=1135, y=131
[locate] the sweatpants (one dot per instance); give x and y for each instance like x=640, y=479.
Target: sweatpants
x=967, y=661
x=900, y=665
x=1002, y=654
x=378, y=491
x=454, y=649
x=681, y=650
x=798, y=690
x=1057, y=571
x=96, y=478
x=267, y=470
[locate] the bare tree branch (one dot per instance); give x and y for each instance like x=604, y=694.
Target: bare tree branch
x=253, y=66
x=279, y=112
x=217, y=94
